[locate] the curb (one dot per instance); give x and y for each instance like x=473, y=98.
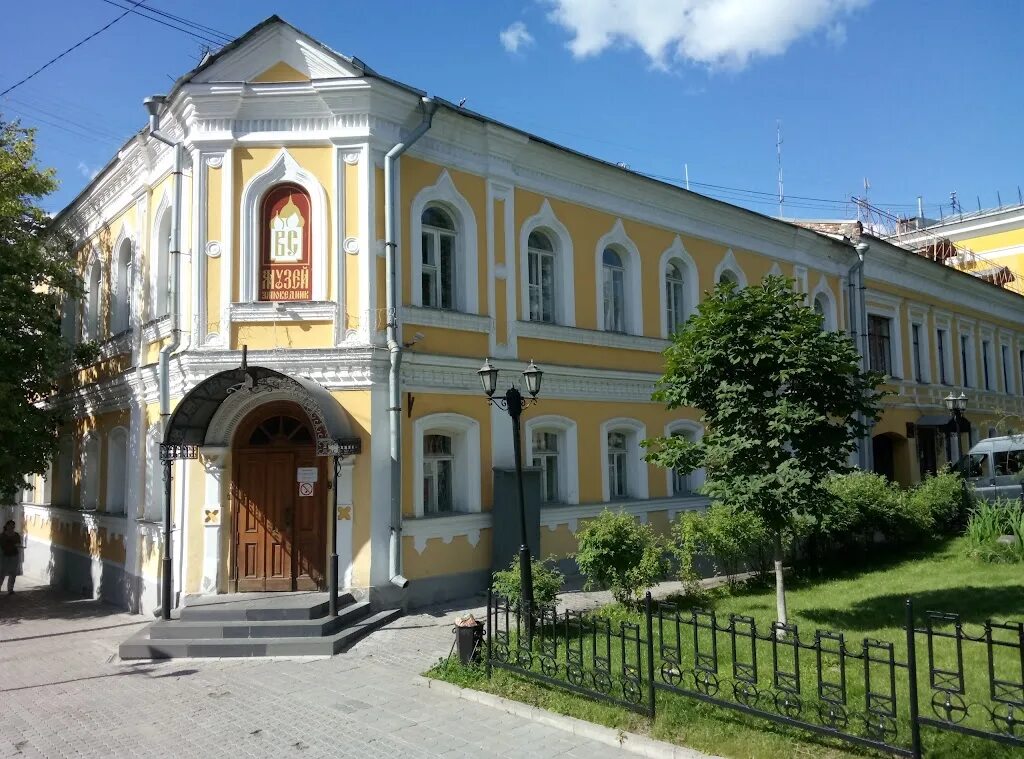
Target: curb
x=609, y=736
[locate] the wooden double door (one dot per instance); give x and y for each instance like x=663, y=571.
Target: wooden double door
x=279, y=517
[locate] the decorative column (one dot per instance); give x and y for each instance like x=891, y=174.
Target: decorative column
x=343, y=515
x=214, y=462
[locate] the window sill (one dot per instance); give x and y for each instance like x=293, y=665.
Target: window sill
x=117, y=345
x=284, y=311
x=156, y=329
x=446, y=527
x=435, y=317
x=553, y=516
x=544, y=331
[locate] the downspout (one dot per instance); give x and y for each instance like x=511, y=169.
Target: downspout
x=394, y=342
x=862, y=325
x=154, y=105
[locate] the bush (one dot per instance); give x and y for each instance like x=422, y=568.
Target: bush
x=730, y=538
x=864, y=503
x=547, y=582
x=619, y=554
x=944, y=499
x=987, y=522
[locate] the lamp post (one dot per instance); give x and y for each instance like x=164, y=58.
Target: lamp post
x=514, y=403
x=956, y=405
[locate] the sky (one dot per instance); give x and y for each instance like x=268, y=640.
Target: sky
x=914, y=98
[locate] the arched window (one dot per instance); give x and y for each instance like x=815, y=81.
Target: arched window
x=728, y=276
x=69, y=319
x=286, y=268
x=684, y=483
x=437, y=266
x=161, y=275
x=48, y=485
x=92, y=304
x=122, y=296
x=117, y=481
x=545, y=457
x=824, y=307
x=541, y=265
x=89, y=485
x=625, y=472
x=675, y=306
x=65, y=473
x=152, y=505
x=613, y=277
x=446, y=459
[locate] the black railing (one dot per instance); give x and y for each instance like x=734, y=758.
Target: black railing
x=865, y=693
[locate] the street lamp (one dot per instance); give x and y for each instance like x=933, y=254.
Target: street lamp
x=956, y=405
x=514, y=403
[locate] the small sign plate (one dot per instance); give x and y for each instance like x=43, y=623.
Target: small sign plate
x=307, y=474
x=306, y=489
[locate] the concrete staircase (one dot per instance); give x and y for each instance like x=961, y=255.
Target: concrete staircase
x=257, y=624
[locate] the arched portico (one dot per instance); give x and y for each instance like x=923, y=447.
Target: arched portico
x=268, y=442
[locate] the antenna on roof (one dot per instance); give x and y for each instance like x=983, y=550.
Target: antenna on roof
x=778, y=152
x=686, y=174
x=999, y=199
x=955, y=204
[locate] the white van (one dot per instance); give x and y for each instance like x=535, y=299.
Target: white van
x=995, y=467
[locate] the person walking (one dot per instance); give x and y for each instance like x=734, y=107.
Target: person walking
x=10, y=555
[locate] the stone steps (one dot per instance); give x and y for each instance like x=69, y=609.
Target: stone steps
x=268, y=626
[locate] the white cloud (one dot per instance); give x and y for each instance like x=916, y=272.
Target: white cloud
x=515, y=37
x=86, y=171
x=715, y=33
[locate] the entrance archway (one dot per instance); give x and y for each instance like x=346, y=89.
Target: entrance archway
x=278, y=502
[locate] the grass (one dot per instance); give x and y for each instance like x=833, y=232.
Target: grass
x=862, y=604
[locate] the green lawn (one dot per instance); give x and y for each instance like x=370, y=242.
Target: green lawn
x=861, y=604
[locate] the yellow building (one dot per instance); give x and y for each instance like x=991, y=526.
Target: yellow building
x=295, y=208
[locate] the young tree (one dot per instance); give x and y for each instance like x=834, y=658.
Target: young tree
x=36, y=274
x=784, y=402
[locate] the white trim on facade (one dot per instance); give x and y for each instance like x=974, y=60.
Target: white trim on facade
x=617, y=239
x=465, y=434
x=568, y=452
x=691, y=282
x=730, y=266
x=636, y=467
x=547, y=222
x=828, y=302
x=695, y=431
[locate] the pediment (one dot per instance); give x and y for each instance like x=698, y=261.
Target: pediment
x=274, y=52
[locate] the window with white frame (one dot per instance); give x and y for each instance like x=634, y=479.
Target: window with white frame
x=438, y=474
x=48, y=484
x=680, y=478
x=986, y=362
x=92, y=305
x=160, y=304
x=89, y=486
x=614, y=278
x=967, y=363
x=437, y=267
x=541, y=277
x=915, y=348
x=117, y=458
x=447, y=461
x=684, y=483
x=942, y=347
x=880, y=343
x=68, y=319
x=545, y=457
x=625, y=472
x=728, y=276
x=122, y=295
x=65, y=473
x=675, y=299
x=1004, y=362
x=152, y=506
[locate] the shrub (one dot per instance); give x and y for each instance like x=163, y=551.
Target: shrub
x=987, y=522
x=864, y=503
x=619, y=554
x=728, y=537
x=547, y=582
x=944, y=499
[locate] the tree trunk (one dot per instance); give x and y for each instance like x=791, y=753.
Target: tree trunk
x=780, y=582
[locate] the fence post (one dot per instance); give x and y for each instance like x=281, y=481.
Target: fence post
x=915, y=725
x=650, y=655
x=487, y=627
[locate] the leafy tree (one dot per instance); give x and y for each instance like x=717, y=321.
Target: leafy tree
x=784, y=402
x=36, y=274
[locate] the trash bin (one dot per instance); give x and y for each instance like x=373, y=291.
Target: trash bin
x=469, y=638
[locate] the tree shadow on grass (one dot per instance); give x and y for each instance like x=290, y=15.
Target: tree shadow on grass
x=975, y=605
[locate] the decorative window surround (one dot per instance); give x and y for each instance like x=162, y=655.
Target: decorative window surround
x=121, y=286
x=157, y=329
x=919, y=316
x=283, y=169
x=568, y=452
x=293, y=310
x=465, y=434
x=890, y=308
x=636, y=467
x=691, y=288
x=565, y=292
x=433, y=317
x=446, y=527
x=618, y=240
x=117, y=345
x=443, y=193
x=828, y=301
x=696, y=432
x=582, y=336
x=730, y=265
x=554, y=516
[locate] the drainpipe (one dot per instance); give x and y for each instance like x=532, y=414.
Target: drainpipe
x=862, y=327
x=394, y=341
x=154, y=105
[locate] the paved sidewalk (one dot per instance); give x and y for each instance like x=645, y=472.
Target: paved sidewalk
x=64, y=693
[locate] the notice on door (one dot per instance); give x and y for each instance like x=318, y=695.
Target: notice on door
x=306, y=489
x=306, y=474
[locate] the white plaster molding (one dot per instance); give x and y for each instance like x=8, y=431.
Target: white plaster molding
x=548, y=223
x=284, y=168
x=157, y=329
x=553, y=516
x=445, y=194
x=465, y=434
x=568, y=453
x=828, y=302
x=582, y=336
x=691, y=283
x=695, y=431
x=213, y=249
x=351, y=245
x=351, y=158
x=730, y=265
x=617, y=239
x=433, y=317
x=636, y=467
x=215, y=160
x=158, y=278
x=446, y=528
x=283, y=312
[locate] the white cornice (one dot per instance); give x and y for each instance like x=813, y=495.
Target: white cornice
x=434, y=317
x=542, y=331
x=284, y=312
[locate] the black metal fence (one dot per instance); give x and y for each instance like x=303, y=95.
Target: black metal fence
x=868, y=693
